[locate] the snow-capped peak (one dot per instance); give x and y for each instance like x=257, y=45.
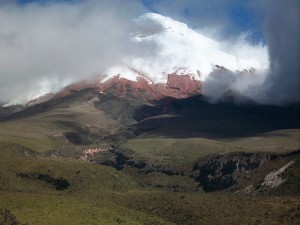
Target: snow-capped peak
x=151, y=24
x=161, y=46
x=169, y=44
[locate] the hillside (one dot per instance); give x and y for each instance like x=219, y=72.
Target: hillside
x=121, y=157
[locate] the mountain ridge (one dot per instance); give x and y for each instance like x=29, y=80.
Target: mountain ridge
x=160, y=46
x=176, y=46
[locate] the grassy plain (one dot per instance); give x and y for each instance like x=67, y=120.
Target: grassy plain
x=102, y=195
x=171, y=151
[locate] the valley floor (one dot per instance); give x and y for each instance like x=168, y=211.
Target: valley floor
x=91, y=158
x=102, y=195
x=149, y=207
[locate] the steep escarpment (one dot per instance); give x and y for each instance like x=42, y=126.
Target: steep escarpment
x=177, y=86
x=221, y=172
x=252, y=173
x=184, y=144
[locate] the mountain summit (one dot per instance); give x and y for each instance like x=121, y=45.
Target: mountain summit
x=165, y=58
x=171, y=60
x=172, y=47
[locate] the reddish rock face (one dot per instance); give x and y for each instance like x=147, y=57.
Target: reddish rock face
x=177, y=86
x=183, y=83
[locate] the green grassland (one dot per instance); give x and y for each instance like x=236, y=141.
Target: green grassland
x=180, y=155
x=280, y=141
x=102, y=195
x=88, y=200
x=180, y=152
x=38, y=131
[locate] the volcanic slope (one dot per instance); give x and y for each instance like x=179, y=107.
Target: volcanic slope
x=167, y=48
x=177, y=48
x=57, y=161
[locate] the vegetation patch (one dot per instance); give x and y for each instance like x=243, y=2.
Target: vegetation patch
x=163, y=165
x=59, y=184
x=7, y=218
x=76, y=138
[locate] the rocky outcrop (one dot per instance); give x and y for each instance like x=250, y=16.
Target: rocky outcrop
x=184, y=84
x=177, y=86
x=250, y=173
x=217, y=172
x=90, y=153
x=272, y=181
x=123, y=158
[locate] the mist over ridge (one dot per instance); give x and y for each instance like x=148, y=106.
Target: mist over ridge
x=44, y=47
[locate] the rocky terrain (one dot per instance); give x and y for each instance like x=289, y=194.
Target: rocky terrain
x=136, y=113
x=150, y=122
x=87, y=140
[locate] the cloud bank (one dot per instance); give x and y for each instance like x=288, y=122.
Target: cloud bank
x=280, y=84
x=282, y=31
x=46, y=46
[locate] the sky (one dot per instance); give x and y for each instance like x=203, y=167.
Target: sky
x=229, y=18
x=47, y=44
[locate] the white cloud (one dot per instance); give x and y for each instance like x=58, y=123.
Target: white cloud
x=280, y=83
x=45, y=46
x=60, y=43
x=282, y=30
